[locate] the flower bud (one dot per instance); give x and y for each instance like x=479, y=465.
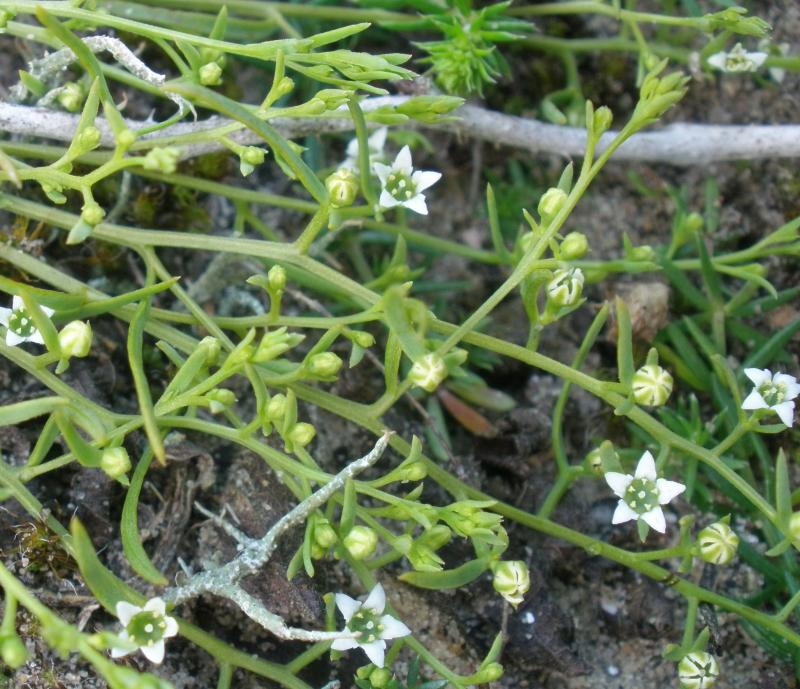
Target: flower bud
x=249, y=157
x=380, y=677
x=302, y=434
x=361, y=542
x=424, y=558
x=717, y=543
x=574, y=246
x=412, y=471
x=362, y=338
x=219, y=399
x=75, y=339
x=276, y=407
x=274, y=343
x=71, y=97
x=698, y=670
x=324, y=533
x=652, y=385
x=603, y=117
x=551, y=202
x=92, y=214
x=210, y=74
x=13, y=651
x=491, y=673
x=88, y=139
x=324, y=365
x=162, y=159
x=115, y=461
x=213, y=348
x=512, y=580
x=125, y=139
x=276, y=278
x=342, y=186
x=565, y=287
x=428, y=372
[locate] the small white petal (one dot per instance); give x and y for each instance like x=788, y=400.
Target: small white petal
x=344, y=644
x=393, y=628
x=352, y=149
x=416, y=204
x=758, y=376
x=125, y=611
x=172, y=627
x=4, y=314
x=154, y=653
x=375, y=651
x=403, y=161
x=790, y=383
x=376, y=601
x=48, y=311
x=347, y=606
x=646, y=468
x=386, y=200
x=120, y=652
x=383, y=171
x=667, y=490
x=618, y=482
x=12, y=339
x=424, y=179
x=377, y=140
x=754, y=401
x=35, y=337
x=655, y=519
x=785, y=410
x=17, y=304
x=623, y=513
x=156, y=605
x=718, y=60
x=757, y=59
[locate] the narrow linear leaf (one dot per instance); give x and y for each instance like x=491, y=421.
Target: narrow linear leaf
x=447, y=578
x=12, y=414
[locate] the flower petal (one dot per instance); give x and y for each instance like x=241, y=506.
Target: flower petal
x=416, y=204
x=171, y=628
x=655, y=519
x=154, y=653
x=347, y=606
x=790, y=383
x=36, y=337
x=718, y=60
x=383, y=171
x=754, y=401
x=386, y=200
x=156, y=605
x=667, y=490
x=4, y=315
x=125, y=611
x=403, y=161
x=377, y=140
x=623, y=513
x=376, y=600
x=120, y=652
x=646, y=468
x=17, y=304
x=423, y=179
x=344, y=644
x=375, y=651
x=48, y=311
x=785, y=410
x=757, y=58
x=393, y=628
x=618, y=482
x=12, y=339
x=758, y=376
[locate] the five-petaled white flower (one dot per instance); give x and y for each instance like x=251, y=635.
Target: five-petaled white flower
x=369, y=626
x=774, y=392
x=402, y=186
x=145, y=627
x=737, y=60
x=375, y=144
x=19, y=325
x=641, y=495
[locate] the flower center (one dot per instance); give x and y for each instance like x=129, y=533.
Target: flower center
x=367, y=625
x=146, y=628
x=20, y=323
x=400, y=186
x=773, y=393
x=642, y=495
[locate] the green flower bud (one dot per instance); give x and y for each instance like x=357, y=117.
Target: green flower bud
x=219, y=399
x=210, y=74
x=125, y=139
x=302, y=434
x=324, y=365
x=274, y=343
x=380, y=677
x=333, y=98
x=13, y=651
x=652, y=385
x=276, y=407
x=92, y=214
x=5, y=17
x=412, y=471
x=565, y=287
x=698, y=670
x=491, y=673
x=603, y=117
x=362, y=338
x=551, y=202
x=717, y=543
x=594, y=461
x=213, y=347
x=162, y=160
x=324, y=534
x=342, y=186
x=511, y=580
x=71, y=97
x=276, y=278
x=574, y=246
x=428, y=372
x=424, y=558
x=88, y=139
x=361, y=542
x=115, y=461
x=249, y=157
x=75, y=339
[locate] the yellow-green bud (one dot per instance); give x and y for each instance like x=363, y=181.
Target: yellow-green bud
x=125, y=139
x=276, y=407
x=219, y=399
x=212, y=347
x=412, y=471
x=276, y=278
x=698, y=670
x=302, y=434
x=324, y=365
x=162, y=159
x=423, y=558
x=88, y=139
x=13, y=651
x=574, y=246
x=603, y=117
x=594, y=461
x=652, y=385
x=92, y=214
x=210, y=74
x=115, y=461
x=362, y=338
x=324, y=533
x=274, y=343
x=361, y=542
x=428, y=372
x=511, y=580
x=491, y=673
x=75, y=339
x=645, y=252
x=565, y=287
x=249, y=157
x=71, y=97
x=717, y=543
x=5, y=17
x=380, y=677
x=551, y=202
x=342, y=186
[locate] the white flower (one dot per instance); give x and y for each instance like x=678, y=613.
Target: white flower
x=146, y=628
x=772, y=392
x=369, y=626
x=737, y=60
x=375, y=144
x=642, y=494
x=402, y=186
x=19, y=325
